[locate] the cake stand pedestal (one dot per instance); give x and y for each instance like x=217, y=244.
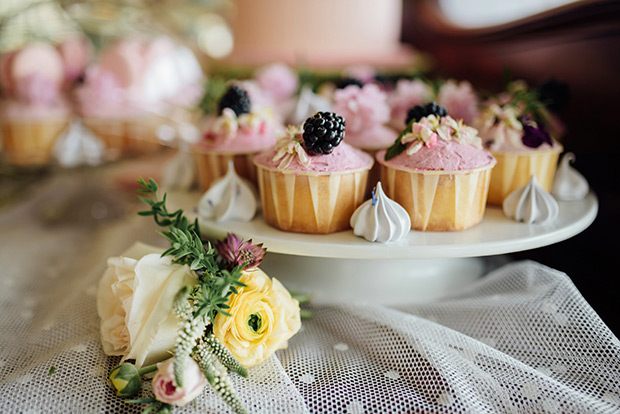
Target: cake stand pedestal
x=421, y=266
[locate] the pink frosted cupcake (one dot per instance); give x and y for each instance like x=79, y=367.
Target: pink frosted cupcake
x=513, y=126
x=136, y=84
x=438, y=171
x=34, y=109
x=367, y=113
x=407, y=94
x=236, y=134
x=312, y=182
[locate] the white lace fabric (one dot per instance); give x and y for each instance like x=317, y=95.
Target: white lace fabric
x=520, y=340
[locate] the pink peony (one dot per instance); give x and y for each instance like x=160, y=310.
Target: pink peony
x=406, y=95
x=36, y=89
x=166, y=390
x=363, y=107
x=277, y=80
x=460, y=100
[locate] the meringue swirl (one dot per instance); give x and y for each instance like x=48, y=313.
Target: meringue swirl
x=380, y=219
x=229, y=198
x=569, y=184
x=531, y=204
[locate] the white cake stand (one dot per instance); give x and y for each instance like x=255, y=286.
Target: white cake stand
x=422, y=266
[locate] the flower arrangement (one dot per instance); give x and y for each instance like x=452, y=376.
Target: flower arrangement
x=209, y=306
x=427, y=130
x=516, y=118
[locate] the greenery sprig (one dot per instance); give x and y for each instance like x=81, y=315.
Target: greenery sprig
x=197, y=306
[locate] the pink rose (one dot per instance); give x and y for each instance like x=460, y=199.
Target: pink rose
x=277, y=80
x=165, y=387
x=363, y=107
x=460, y=100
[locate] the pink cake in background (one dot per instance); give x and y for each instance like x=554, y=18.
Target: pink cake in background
x=320, y=34
x=438, y=171
x=312, y=181
x=34, y=108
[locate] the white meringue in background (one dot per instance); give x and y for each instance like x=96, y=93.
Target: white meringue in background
x=380, y=219
x=78, y=146
x=307, y=104
x=180, y=171
x=229, y=198
x=531, y=204
x=569, y=184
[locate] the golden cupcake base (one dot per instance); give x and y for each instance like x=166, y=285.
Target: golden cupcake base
x=439, y=200
x=514, y=170
x=304, y=202
x=30, y=143
x=212, y=165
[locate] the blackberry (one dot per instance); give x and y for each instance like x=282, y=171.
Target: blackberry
x=420, y=111
x=323, y=132
x=344, y=82
x=236, y=99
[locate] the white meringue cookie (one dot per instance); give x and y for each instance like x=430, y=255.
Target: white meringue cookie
x=307, y=104
x=531, y=204
x=180, y=171
x=78, y=146
x=569, y=184
x=380, y=219
x=229, y=198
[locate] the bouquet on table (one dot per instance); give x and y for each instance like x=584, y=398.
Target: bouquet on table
x=189, y=314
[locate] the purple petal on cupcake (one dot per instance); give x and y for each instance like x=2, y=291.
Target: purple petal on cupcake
x=534, y=135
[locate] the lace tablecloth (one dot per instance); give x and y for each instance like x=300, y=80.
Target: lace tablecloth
x=520, y=340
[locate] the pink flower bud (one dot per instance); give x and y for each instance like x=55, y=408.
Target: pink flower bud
x=166, y=390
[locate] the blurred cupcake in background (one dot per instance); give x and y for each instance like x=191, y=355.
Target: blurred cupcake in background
x=460, y=100
x=238, y=130
x=34, y=108
x=366, y=112
x=514, y=126
x=406, y=94
x=278, y=84
x=136, y=85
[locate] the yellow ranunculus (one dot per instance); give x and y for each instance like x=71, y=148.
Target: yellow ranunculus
x=264, y=317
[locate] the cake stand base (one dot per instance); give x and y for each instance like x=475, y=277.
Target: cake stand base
x=385, y=282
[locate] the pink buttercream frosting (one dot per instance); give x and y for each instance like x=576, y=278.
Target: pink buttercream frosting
x=460, y=100
x=101, y=96
x=442, y=156
x=278, y=81
x=343, y=158
x=246, y=139
x=365, y=111
x=406, y=95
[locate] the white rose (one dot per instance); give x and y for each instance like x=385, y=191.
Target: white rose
x=134, y=301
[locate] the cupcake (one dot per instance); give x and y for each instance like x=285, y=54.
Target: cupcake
x=438, y=171
x=33, y=109
x=237, y=133
x=312, y=182
x=513, y=127
x=407, y=94
x=367, y=113
x=134, y=87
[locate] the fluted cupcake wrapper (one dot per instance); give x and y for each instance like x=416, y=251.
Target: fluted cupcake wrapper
x=310, y=203
x=113, y=133
x=514, y=170
x=213, y=165
x=30, y=143
x=438, y=200
x=142, y=134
